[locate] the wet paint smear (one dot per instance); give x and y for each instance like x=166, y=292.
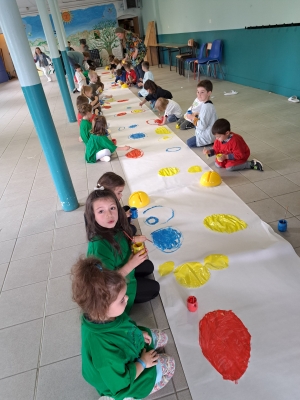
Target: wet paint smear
x=133, y=126
x=166, y=268
x=192, y=274
x=194, y=169
x=167, y=239
x=135, y=153
x=122, y=101
x=162, y=130
x=128, y=108
x=106, y=106
x=104, y=73
x=120, y=114
x=164, y=138
x=226, y=343
x=159, y=211
x=216, y=261
x=137, y=111
x=169, y=171
x=154, y=121
x=137, y=136
x=173, y=149
x=224, y=223
x=109, y=100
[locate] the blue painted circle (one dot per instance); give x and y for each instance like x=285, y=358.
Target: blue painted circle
x=137, y=136
x=167, y=239
x=133, y=126
x=173, y=149
x=152, y=221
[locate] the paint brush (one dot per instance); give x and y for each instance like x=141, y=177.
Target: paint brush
x=129, y=237
x=286, y=211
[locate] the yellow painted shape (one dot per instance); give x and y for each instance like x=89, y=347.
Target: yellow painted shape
x=194, y=168
x=216, y=261
x=169, y=171
x=210, y=179
x=166, y=268
x=124, y=86
x=224, y=223
x=192, y=274
x=137, y=111
x=164, y=138
x=162, y=130
x=109, y=100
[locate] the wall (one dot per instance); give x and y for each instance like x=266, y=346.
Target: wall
x=267, y=59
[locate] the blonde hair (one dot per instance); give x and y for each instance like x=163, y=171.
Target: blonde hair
x=161, y=104
x=92, y=73
x=85, y=89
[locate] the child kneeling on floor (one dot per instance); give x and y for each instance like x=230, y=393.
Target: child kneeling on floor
x=118, y=358
x=230, y=149
x=99, y=147
x=206, y=118
x=172, y=110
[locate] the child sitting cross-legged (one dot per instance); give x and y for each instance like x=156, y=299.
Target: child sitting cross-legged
x=120, y=76
x=131, y=77
x=206, y=118
x=85, y=110
x=230, y=149
x=99, y=147
x=119, y=358
x=148, y=75
x=184, y=122
x=172, y=110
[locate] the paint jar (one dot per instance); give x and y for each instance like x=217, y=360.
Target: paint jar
x=134, y=212
x=218, y=157
x=189, y=112
x=136, y=247
x=282, y=225
x=114, y=141
x=192, y=303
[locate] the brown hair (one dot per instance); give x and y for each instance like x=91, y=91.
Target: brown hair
x=86, y=54
x=92, y=73
x=119, y=72
x=116, y=61
x=221, y=126
x=161, y=104
x=111, y=57
x=206, y=84
x=145, y=64
x=84, y=109
x=86, y=89
x=94, y=288
x=100, y=126
x=81, y=100
x=127, y=65
x=110, y=180
x=95, y=231
x=150, y=85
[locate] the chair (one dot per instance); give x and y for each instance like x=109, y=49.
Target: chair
x=190, y=61
x=182, y=57
x=214, y=57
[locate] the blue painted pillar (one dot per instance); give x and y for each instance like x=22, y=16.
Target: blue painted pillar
x=62, y=45
x=41, y=5
x=18, y=46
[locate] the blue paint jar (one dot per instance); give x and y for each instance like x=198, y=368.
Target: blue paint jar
x=134, y=212
x=282, y=225
x=189, y=112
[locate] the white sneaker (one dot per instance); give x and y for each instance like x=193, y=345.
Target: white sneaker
x=49, y=80
x=105, y=159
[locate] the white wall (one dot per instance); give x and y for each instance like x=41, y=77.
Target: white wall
x=175, y=16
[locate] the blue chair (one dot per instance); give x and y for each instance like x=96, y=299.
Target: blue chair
x=214, y=58
x=193, y=60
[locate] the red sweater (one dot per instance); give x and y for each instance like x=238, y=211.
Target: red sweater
x=79, y=118
x=132, y=74
x=236, y=148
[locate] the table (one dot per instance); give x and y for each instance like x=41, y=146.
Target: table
x=171, y=48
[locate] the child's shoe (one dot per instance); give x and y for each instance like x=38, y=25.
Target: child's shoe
x=255, y=164
x=105, y=159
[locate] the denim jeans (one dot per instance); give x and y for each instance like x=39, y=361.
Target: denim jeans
x=191, y=142
x=139, y=72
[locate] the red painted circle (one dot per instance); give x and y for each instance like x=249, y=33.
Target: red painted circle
x=135, y=153
x=121, y=114
x=122, y=101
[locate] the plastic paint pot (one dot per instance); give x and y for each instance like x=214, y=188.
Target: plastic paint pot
x=192, y=303
x=134, y=212
x=282, y=225
x=189, y=112
x=114, y=141
x=136, y=247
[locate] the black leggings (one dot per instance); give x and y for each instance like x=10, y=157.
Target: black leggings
x=147, y=289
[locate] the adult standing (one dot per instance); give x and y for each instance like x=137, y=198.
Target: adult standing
x=76, y=57
x=135, y=49
x=44, y=62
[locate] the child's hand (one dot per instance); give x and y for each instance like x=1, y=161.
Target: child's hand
x=206, y=151
x=139, y=239
x=190, y=117
x=109, y=96
x=80, y=140
x=136, y=259
x=140, y=84
x=128, y=213
x=221, y=157
x=147, y=337
x=161, y=123
x=149, y=357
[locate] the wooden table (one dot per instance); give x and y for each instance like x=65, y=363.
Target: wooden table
x=171, y=48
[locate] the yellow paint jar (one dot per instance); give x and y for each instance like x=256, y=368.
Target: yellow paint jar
x=219, y=156
x=136, y=247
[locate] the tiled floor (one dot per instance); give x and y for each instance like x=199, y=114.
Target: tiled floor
x=39, y=323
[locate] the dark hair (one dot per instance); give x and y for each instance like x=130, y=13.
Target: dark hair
x=111, y=57
x=127, y=65
x=221, y=126
x=77, y=66
x=84, y=109
x=206, y=84
x=95, y=231
x=38, y=49
x=86, y=54
x=100, y=126
x=119, y=72
x=94, y=288
x=116, y=61
x=146, y=64
x=81, y=100
x=92, y=68
x=110, y=180
x=150, y=85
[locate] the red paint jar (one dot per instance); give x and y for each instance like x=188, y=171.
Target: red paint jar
x=192, y=303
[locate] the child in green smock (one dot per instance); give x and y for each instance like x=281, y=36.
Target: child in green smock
x=85, y=127
x=118, y=357
x=99, y=147
x=110, y=239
